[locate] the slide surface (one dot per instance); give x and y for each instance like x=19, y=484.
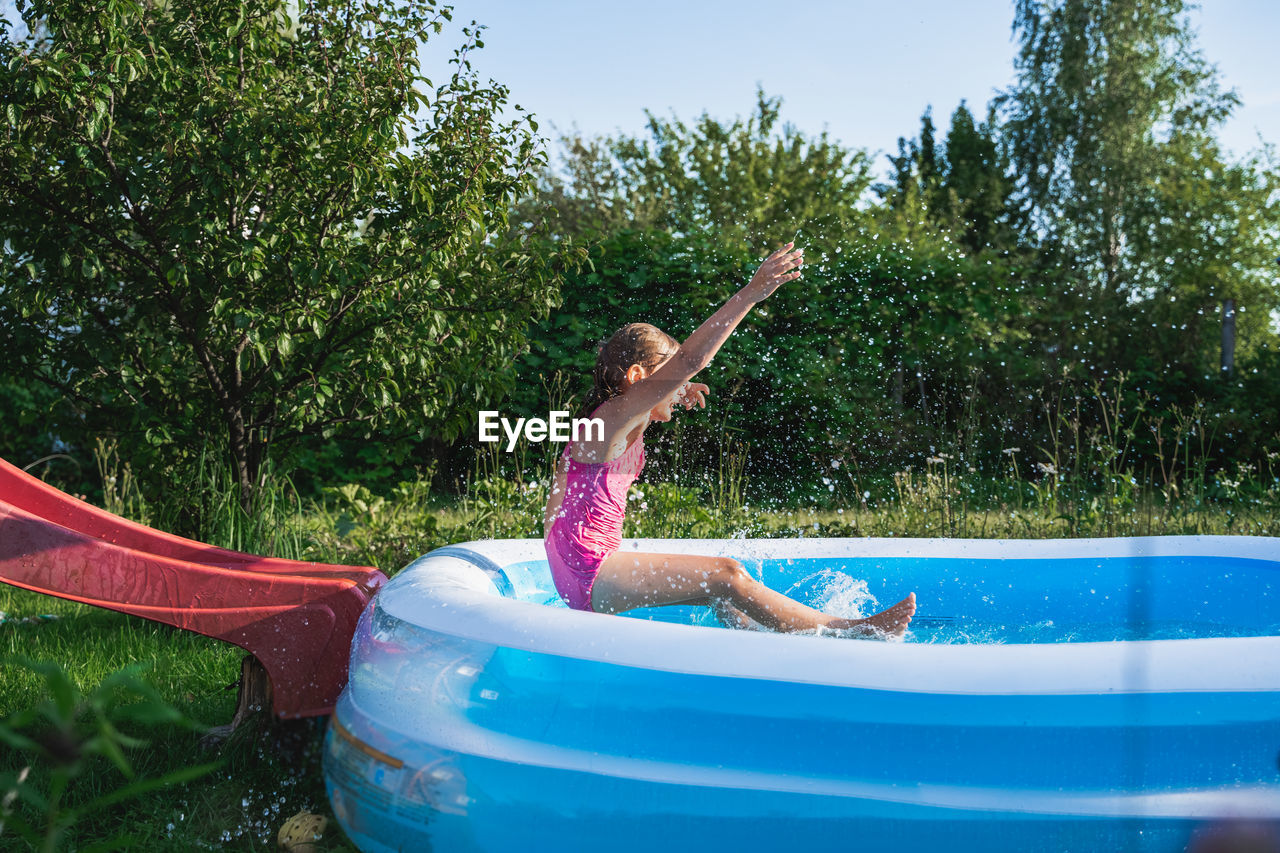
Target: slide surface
x=296, y=618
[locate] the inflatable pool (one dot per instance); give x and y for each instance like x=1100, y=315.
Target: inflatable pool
x=1108, y=694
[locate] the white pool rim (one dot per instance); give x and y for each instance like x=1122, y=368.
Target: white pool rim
x=458, y=591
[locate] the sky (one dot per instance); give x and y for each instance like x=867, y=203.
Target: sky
x=863, y=71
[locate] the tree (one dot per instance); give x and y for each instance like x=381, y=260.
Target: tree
x=750, y=180
x=963, y=187
x=1113, y=109
x=911, y=198
x=1211, y=238
x=1101, y=88
x=978, y=186
x=232, y=217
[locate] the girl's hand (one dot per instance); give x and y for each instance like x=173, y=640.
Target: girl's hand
x=779, y=268
x=693, y=394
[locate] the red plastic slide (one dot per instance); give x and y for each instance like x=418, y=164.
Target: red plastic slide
x=296, y=618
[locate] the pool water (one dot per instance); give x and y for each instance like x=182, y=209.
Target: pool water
x=1008, y=601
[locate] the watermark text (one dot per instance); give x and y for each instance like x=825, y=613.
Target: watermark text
x=558, y=426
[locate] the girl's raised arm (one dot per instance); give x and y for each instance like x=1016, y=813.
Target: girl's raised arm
x=697, y=351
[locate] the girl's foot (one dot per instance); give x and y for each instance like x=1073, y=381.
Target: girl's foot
x=890, y=622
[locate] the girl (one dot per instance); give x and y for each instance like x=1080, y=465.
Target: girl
x=641, y=373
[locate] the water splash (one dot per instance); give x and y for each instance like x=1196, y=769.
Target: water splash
x=836, y=593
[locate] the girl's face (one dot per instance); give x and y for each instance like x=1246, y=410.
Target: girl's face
x=662, y=411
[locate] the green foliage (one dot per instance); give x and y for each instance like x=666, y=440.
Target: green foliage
x=749, y=181
x=1101, y=91
x=203, y=503
x=230, y=228
x=359, y=527
x=27, y=438
x=1212, y=238
x=978, y=186
x=267, y=770
x=668, y=511
x=65, y=737
x=917, y=176
x=805, y=375
x=121, y=494
x=506, y=494
x=680, y=220
x=227, y=224
x=1110, y=126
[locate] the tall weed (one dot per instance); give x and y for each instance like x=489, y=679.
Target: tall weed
x=68, y=736
x=203, y=503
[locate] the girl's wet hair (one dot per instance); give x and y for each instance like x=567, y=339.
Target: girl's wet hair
x=635, y=343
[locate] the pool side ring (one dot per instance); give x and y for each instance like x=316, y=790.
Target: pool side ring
x=1116, y=694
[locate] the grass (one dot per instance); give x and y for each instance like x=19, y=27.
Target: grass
x=268, y=772
x=264, y=776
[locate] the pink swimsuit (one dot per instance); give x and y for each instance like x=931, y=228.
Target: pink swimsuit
x=588, y=527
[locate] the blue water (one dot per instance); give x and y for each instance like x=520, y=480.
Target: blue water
x=1011, y=601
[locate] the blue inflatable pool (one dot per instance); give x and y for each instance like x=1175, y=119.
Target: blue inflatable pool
x=1052, y=695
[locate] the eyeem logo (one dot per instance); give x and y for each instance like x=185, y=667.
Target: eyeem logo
x=557, y=427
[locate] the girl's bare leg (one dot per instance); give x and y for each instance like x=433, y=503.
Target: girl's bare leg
x=729, y=616
x=732, y=617
x=629, y=579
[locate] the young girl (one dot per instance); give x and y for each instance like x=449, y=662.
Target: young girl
x=641, y=373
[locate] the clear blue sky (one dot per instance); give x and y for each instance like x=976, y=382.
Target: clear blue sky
x=864, y=71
